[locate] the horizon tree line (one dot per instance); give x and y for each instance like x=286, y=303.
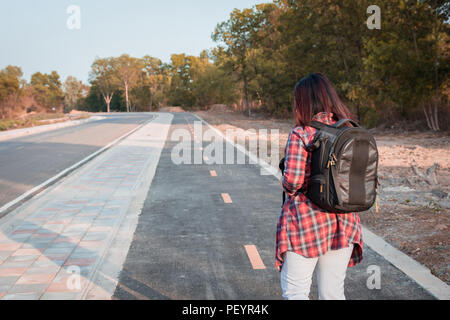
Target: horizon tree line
x=397, y=73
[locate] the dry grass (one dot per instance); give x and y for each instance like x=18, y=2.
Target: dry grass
x=38, y=119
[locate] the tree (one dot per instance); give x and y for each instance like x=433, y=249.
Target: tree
x=180, y=92
x=128, y=70
x=47, y=89
x=388, y=74
x=95, y=101
x=210, y=85
x=441, y=11
x=103, y=77
x=406, y=64
x=157, y=79
x=236, y=38
x=73, y=92
x=11, y=89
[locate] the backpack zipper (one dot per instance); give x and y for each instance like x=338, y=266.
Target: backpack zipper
x=332, y=160
x=323, y=142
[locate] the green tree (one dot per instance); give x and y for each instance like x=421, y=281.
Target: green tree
x=47, y=90
x=236, y=38
x=11, y=90
x=390, y=73
x=102, y=76
x=128, y=70
x=210, y=84
x=180, y=92
x=407, y=63
x=95, y=102
x=73, y=92
x=157, y=79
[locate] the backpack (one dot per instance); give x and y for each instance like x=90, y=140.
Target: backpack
x=344, y=168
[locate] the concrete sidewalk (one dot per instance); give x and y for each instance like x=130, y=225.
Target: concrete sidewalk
x=55, y=246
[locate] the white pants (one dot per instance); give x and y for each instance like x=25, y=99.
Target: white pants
x=297, y=271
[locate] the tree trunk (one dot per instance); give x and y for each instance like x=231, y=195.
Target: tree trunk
x=413, y=33
x=426, y=117
x=344, y=60
x=151, y=101
x=108, y=98
x=126, y=97
x=358, y=112
x=435, y=115
x=246, y=95
x=436, y=73
x=431, y=115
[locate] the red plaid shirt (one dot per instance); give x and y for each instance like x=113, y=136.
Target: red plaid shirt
x=303, y=227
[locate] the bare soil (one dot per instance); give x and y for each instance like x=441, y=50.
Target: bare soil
x=413, y=216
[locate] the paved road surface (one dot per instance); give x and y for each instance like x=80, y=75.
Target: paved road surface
x=28, y=161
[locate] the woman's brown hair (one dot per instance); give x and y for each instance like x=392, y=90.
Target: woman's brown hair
x=314, y=94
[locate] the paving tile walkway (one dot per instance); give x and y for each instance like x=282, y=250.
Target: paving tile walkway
x=50, y=248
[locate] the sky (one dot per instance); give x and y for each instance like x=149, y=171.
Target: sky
x=34, y=34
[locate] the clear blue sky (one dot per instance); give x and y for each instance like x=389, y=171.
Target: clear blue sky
x=34, y=35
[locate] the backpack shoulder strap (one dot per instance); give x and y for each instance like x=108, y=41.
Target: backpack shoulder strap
x=315, y=144
x=340, y=123
x=317, y=125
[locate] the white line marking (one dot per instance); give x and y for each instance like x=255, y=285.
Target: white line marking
x=416, y=271
x=267, y=167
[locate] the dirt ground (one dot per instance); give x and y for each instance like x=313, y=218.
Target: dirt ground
x=414, y=216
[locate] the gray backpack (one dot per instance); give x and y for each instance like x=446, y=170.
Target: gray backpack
x=344, y=168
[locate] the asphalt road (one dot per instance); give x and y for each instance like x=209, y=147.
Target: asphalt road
x=29, y=161
x=190, y=244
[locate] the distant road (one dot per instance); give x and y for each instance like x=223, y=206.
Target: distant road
x=28, y=161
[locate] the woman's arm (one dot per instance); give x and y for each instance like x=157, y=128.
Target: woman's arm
x=295, y=165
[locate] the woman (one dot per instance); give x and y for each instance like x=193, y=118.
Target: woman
x=308, y=236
